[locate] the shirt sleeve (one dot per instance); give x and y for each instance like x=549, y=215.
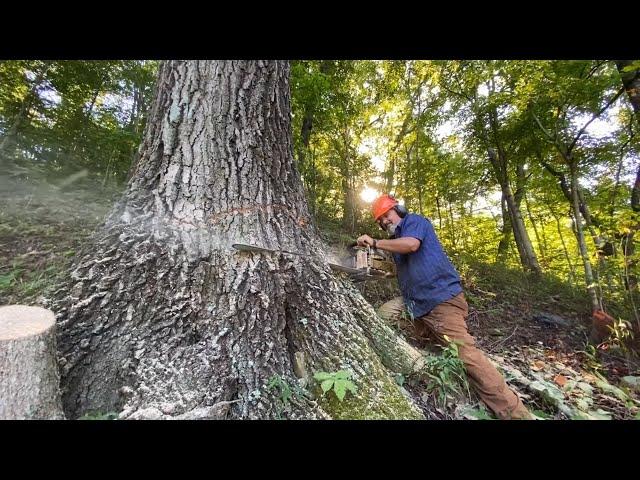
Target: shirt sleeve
x=416, y=227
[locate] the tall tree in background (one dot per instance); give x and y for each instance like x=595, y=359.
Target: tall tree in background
x=564, y=90
x=164, y=318
x=630, y=74
x=486, y=113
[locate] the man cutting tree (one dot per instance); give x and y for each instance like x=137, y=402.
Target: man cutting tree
x=432, y=295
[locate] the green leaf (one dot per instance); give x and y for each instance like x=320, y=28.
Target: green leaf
x=351, y=387
x=342, y=375
x=286, y=395
x=322, y=376
x=340, y=389
x=326, y=385
x=274, y=381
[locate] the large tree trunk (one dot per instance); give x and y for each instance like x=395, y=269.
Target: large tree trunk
x=164, y=319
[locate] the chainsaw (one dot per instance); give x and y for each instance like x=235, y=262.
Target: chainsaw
x=375, y=262
x=362, y=263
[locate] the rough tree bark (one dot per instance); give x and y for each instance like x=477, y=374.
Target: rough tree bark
x=29, y=379
x=164, y=319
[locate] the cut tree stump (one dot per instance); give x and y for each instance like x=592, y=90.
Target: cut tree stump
x=29, y=377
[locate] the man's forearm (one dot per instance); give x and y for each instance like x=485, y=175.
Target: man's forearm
x=399, y=245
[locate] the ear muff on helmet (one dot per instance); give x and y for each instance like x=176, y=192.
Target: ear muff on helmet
x=401, y=210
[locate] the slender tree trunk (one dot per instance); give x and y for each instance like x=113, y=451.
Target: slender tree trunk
x=348, y=189
x=521, y=236
x=313, y=183
x=305, y=133
x=572, y=276
x=535, y=229
x=82, y=134
x=635, y=192
x=566, y=188
x=507, y=230
x=582, y=245
x=419, y=182
x=525, y=248
x=616, y=185
x=566, y=251
x=544, y=235
x=162, y=318
x=349, y=206
x=452, y=230
x=390, y=173
x=463, y=227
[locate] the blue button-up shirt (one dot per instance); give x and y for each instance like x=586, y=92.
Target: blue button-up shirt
x=426, y=277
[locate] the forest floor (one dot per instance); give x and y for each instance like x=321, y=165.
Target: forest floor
x=534, y=330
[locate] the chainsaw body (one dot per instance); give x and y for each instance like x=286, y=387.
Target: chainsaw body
x=373, y=262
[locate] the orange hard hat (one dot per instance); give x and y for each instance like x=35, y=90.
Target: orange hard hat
x=382, y=205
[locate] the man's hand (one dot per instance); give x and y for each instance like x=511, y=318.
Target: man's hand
x=365, y=240
x=402, y=245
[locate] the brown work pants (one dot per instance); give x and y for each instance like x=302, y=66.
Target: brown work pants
x=448, y=318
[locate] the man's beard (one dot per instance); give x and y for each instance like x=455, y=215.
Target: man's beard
x=391, y=229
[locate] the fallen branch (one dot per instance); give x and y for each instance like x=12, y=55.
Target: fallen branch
x=492, y=347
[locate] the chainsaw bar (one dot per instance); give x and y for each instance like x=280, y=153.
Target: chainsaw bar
x=357, y=274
